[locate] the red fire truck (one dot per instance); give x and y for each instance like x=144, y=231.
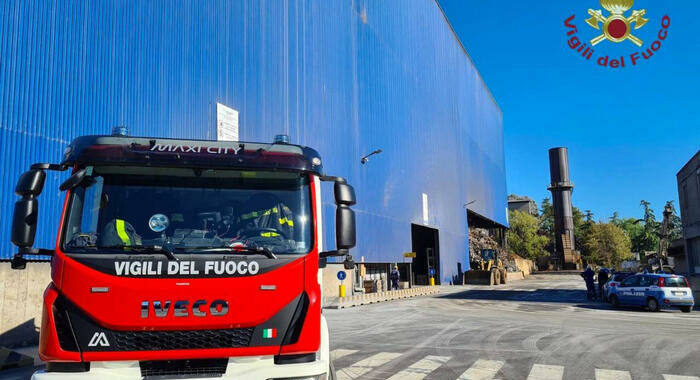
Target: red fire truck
x=185, y=259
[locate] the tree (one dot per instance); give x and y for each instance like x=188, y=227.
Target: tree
x=582, y=229
x=546, y=226
x=633, y=229
x=547, y=217
x=615, y=218
x=607, y=244
x=577, y=216
x=523, y=236
x=676, y=227
x=648, y=240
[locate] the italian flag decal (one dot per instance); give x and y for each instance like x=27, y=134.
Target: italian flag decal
x=269, y=333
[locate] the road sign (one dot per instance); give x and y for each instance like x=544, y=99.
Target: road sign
x=341, y=275
x=226, y=123
x=409, y=255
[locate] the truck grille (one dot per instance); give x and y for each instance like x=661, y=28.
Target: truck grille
x=70, y=320
x=156, y=369
x=181, y=340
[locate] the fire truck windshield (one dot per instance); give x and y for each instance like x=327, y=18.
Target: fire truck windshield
x=189, y=210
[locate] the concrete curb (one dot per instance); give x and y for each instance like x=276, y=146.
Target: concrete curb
x=365, y=299
x=12, y=359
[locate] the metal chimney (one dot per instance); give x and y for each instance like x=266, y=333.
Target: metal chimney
x=565, y=255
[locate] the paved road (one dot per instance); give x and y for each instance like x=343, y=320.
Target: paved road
x=538, y=329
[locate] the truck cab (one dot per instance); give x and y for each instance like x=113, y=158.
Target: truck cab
x=185, y=258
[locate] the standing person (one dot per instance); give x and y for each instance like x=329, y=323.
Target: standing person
x=603, y=276
x=588, y=276
x=395, y=276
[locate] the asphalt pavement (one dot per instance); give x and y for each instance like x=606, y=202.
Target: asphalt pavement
x=542, y=328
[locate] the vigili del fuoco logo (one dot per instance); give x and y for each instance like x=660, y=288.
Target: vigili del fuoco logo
x=616, y=25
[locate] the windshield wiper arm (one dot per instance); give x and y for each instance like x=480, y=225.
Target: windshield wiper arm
x=158, y=248
x=141, y=249
x=259, y=250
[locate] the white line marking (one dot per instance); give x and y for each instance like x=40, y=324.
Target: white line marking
x=339, y=353
x=676, y=377
x=482, y=370
x=421, y=368
x=358, y=369
x=546, y=372
x=608, y=374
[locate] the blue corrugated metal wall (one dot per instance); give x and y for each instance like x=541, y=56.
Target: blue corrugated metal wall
x=345, y=77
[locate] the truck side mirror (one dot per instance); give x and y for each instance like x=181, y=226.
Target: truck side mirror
x=344, y=228
x=24, y=222
x=344, y=194
x=345, y=234
x=344, y=216
x=30, y=183
x=26, y=215
x=29, y=186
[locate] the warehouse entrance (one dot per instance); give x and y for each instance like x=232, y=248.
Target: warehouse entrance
x=425, y=245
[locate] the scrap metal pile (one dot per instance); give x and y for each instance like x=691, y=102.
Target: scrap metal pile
x=480, y=238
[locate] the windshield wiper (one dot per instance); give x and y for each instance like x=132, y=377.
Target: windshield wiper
x=138, y=249
x=261, y=250
x=155, y=248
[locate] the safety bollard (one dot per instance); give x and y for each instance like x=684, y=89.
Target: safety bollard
x=341, y=291
x=432, y=281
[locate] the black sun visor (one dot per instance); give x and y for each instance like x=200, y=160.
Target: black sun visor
x=191, y=153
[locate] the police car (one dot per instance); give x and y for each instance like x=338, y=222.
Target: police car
x=654, y=291
x=614, y=281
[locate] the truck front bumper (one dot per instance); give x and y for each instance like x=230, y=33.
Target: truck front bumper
x=244, y=368
x=238, y=368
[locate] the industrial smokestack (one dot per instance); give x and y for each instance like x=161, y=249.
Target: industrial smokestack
x=565, y=255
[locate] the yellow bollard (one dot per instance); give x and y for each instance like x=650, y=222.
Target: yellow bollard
x=432, y=281
x=341, y=290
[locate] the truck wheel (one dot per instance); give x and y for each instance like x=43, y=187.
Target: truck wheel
x=504, y=276
x=652, y=304
x=496, y=277
x=614, y=302
x=686, y=309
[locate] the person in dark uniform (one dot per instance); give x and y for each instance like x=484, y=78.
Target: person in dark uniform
x=589, y=276
x=603, y=276
x=395, y=276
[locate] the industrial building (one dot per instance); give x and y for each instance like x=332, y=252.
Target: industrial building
x=347, y=78
x=689, y=195
x=522, y=204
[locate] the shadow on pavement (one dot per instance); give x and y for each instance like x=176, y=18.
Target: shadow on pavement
x=534, y=295
x=23, y=335
x=24, y=373
x=574, y=297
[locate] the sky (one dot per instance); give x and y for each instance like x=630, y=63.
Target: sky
x=629, y=130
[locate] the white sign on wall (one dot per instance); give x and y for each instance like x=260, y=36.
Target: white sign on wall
x=425, y=208
x=226, y=123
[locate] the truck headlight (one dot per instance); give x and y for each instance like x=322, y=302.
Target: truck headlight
x=317, y=377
